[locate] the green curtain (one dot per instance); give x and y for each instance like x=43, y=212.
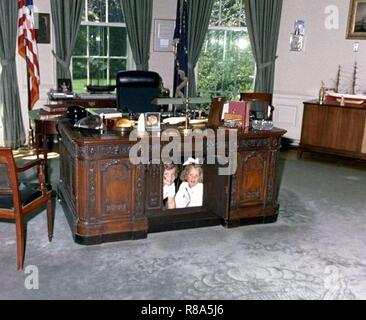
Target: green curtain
x=138, y=17
x=263, y=21
x=14, y=135
x=66, y=17
x=199, y=14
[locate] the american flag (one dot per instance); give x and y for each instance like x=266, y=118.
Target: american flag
x=181, y=51
x=27, y=47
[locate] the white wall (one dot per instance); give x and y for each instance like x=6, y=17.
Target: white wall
x=163, y=62
x=299, y=74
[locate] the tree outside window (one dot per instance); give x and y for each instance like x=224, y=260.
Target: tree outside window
x=226, y=66
x=101, y=48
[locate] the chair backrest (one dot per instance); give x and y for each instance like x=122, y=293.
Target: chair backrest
x=8, y=176
x=259, y=104
x=215, y=114
x=136, y=90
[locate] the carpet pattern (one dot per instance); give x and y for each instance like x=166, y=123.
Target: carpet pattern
x=316, y=251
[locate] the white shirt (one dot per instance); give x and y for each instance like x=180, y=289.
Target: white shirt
x=189, y=197
x=169, y=191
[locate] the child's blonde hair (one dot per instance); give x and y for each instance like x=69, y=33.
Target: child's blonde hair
x=187, y=169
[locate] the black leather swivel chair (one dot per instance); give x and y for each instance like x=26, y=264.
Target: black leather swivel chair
x=136, y=90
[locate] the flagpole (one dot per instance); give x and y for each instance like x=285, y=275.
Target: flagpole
x=30, y=130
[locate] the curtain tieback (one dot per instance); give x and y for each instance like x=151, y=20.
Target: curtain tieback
x=6, y=62
x=267, y=64
x=60, y=61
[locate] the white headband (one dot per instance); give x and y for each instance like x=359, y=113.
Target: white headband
x=191, y=161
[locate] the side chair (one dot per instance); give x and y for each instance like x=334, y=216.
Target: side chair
x=260, y=102
x=19, y=200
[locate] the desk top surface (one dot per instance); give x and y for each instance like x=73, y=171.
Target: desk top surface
x=84, y=136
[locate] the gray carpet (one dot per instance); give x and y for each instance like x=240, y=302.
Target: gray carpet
x=317, y=250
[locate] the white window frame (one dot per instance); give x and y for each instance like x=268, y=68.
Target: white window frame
x=130, y=64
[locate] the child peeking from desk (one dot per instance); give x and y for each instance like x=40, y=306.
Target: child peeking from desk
x=169, y=177
x=190, y=193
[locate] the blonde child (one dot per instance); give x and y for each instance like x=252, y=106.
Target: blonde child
x=169, y=177
x=190, y=193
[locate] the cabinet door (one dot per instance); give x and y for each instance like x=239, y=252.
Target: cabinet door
x=350, y=129
x=251, y=178
x=117, y=188
x=217, y=187
x=313, y=125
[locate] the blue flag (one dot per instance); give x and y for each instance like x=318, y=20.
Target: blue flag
x=181, y=50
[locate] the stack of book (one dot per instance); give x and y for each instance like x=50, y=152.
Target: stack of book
x=238, y=112
x=52, y=111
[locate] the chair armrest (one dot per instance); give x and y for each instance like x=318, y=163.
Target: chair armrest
x=29, y=165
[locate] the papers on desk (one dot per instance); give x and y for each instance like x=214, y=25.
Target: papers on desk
x=60, y=95
x=108, y=113
x=97, y=96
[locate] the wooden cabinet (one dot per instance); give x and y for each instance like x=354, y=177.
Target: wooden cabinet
x=254, y=186
x=331, y=128
x=107, y=198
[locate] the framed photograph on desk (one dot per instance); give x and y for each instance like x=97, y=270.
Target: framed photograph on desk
x=152, y=121
x=64, y=85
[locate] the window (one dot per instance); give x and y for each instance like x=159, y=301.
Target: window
x=101, y=46
x=226, y=66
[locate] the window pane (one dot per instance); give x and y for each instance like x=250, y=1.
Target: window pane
x=98, y=41
x=226, y=64
x=118, y=42
x=97, y=10
x=83, y=18
x=98, y=71
x=79, y=74
x=115, y=11
x=115, y=66
x=230, y=12
x=215, y=15
x=81, y=44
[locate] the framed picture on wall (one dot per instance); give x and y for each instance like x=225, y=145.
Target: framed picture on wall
x=43, y=28
x=163, y=34
x=357, y=20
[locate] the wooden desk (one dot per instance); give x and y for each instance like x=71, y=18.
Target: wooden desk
x=106, y=198
x=334, y=129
